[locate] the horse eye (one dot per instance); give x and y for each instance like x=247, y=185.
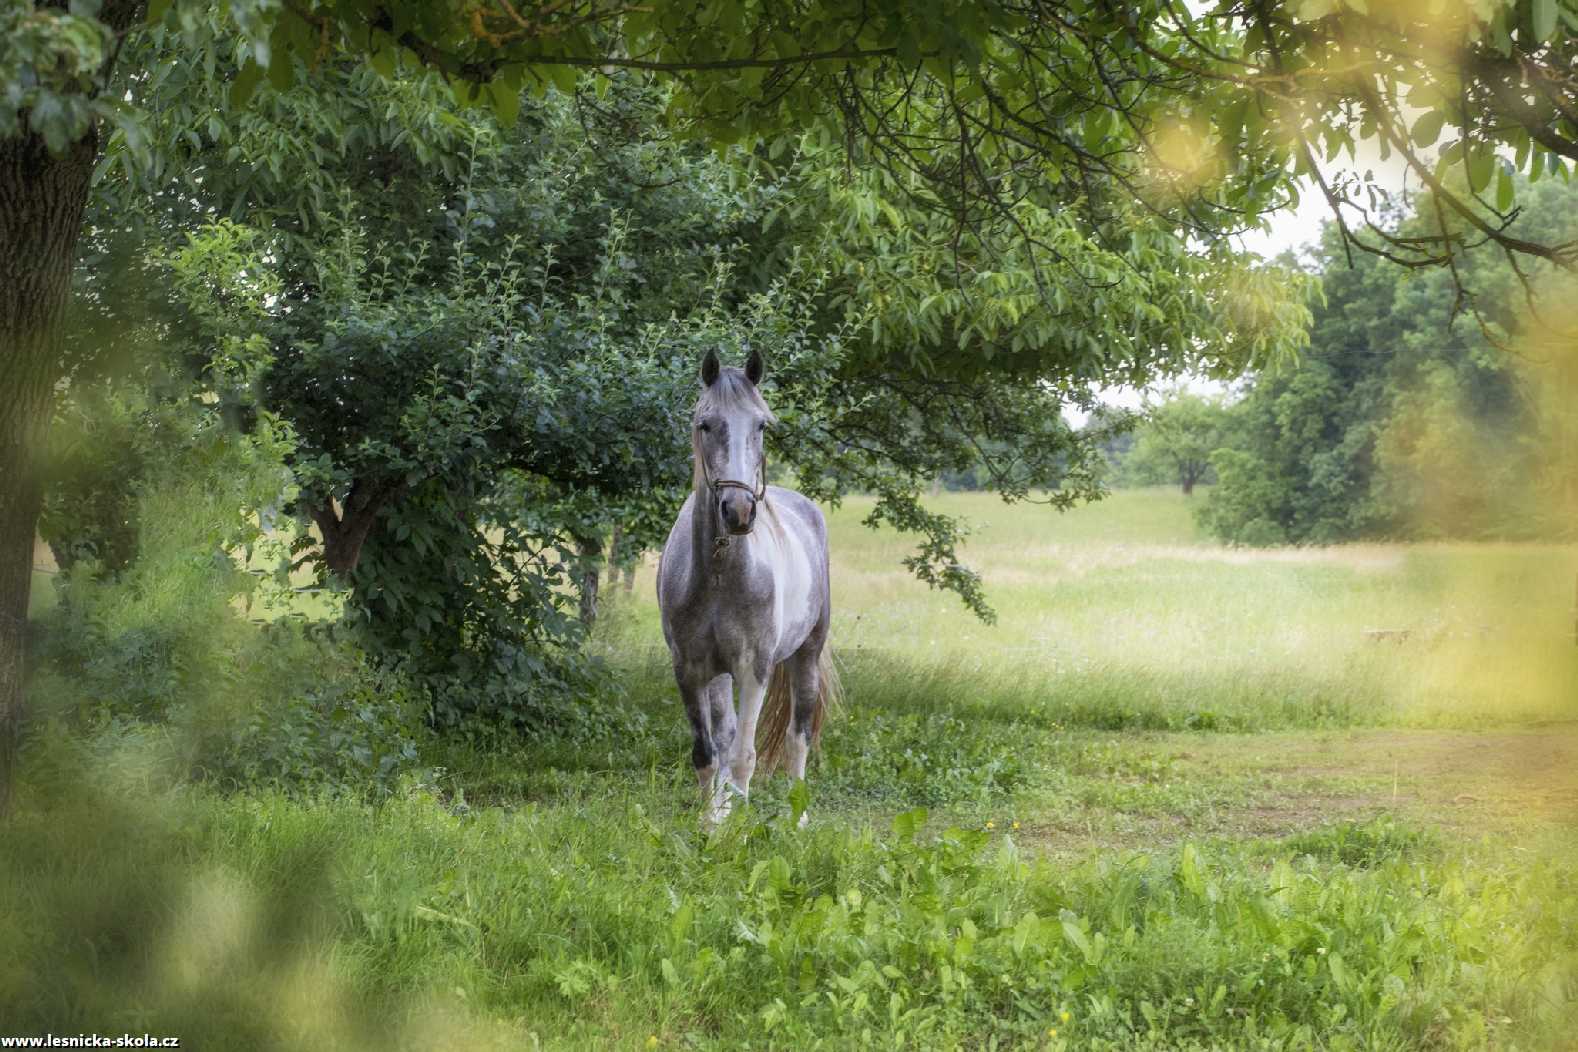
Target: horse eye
x=761, y=425
x=705, y=427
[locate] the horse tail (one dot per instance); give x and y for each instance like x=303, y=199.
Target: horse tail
x=829, y=693
x=778, y=709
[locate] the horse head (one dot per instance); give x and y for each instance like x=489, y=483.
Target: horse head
x=728, y=426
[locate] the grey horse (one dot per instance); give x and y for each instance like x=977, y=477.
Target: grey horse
x=743, y=590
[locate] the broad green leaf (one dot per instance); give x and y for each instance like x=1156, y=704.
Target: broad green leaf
x=1505, y=191
x=1339, y=971
x=679, y=926
x=1543, y=16
x=907, y=824
x=383, y=61
x=281, y=73
x=1481, y=163
x=1427, y=129
x=506, y=102
x=1081, y=941
x=799, y=800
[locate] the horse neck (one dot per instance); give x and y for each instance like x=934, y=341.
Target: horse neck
x=706, y=530
x=704, y=526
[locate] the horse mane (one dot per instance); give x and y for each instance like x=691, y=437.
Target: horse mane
x=731, y=390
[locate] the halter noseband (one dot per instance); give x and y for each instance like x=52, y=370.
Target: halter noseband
x=757, y=494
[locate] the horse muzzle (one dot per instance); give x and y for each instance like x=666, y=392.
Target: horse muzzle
x=738, y=512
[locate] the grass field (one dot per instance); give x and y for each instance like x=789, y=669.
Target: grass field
x=1175, y=798
x=1119, y=615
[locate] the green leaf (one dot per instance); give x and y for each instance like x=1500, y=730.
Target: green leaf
x=1543, y=16
x=49, y=119
x=799, y=800
x=1189, y=876
x=1427, y=129
x=1339, y=971
x=246, y=82
x=679, y=927
x=908, y=824
x=1505, y=192
x=1081, y=941
x=506, y=102
x=281, y=74
x=1481, y=163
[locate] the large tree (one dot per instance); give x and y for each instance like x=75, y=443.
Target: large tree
x=1406, y=417
x=975, y=111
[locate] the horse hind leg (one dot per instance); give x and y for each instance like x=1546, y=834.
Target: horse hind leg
x=805, y=684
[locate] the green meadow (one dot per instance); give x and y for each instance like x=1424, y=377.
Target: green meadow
x=1178, y=796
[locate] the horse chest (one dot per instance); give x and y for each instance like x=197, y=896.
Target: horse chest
x=755, y=602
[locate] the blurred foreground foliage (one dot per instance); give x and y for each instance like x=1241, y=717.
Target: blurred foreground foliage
x=176, y=648
x=266, y=921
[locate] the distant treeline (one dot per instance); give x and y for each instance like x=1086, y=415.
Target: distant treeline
x=1413, y=414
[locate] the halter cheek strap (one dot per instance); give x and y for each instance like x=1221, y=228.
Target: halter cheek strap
x=757, y=492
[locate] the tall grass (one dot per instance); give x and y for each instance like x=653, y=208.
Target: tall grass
x=269, y=922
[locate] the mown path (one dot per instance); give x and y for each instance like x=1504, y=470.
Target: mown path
x=1470, y=783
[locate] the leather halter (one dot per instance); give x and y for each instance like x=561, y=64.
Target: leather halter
x=757, y=494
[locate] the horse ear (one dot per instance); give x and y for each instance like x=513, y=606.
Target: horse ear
x=710, y=367
x=754, y=369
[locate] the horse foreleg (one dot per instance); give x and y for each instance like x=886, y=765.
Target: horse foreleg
x=716, y=788
x=742, y=763
x=720, y=699
x=703, y=753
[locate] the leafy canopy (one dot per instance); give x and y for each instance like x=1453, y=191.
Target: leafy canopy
x=1199, y=114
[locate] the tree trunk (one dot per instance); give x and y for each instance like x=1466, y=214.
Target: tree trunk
x=346, y=533
x=1188, y=485
x=590, y=549
x=616, y=545
x=42, y=198
x=621, y=561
